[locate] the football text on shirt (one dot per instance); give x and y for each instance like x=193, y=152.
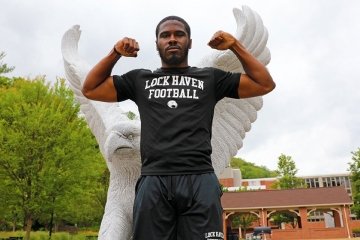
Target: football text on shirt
x=193, y=85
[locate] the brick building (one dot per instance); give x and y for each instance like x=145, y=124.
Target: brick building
x=321, y=211
x=334, y=201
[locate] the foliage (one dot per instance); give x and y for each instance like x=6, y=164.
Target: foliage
x=223, y=188
x=48, y=157
x=284, y=217
x=243, y=220
x=287, y=171
x=250, y=170
x=286, y=166
x=4, y=68
x=41, y=235
x=355, y=180
x=237, y=189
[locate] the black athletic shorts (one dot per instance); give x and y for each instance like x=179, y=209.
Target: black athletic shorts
x=184, y=207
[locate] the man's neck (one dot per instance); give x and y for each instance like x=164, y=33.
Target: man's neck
x=181, y=65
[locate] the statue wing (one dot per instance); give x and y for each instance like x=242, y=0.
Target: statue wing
x=233, y=117
x=100, y=116
x=118, y=138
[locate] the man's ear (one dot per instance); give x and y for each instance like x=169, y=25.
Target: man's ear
x=190, y=44
x=156, y=45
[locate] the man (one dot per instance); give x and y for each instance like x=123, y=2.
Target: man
x=178, y=194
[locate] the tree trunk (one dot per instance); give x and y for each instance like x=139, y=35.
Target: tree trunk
x=15, y=219
x=51, y=224
x=28, y=227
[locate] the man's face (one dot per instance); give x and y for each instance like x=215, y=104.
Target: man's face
x=173, y=44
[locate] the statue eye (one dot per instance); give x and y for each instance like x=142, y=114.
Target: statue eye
x=130, y=137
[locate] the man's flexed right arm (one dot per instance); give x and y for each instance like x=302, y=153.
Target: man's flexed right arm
x=99, y=84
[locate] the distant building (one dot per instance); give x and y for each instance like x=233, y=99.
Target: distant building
x=231, y=178
x=300, y=203
x=330, y=180
x=319, y=216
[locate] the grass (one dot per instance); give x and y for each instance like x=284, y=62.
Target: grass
x=41, y=235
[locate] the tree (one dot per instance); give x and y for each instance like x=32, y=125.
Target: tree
x=250, y=170
x=48, y=157
x=355, y=180
x=285, y=217
x=243, y=221
x=4, y=68
x=287, y=172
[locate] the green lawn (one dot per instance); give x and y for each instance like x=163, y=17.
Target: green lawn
x=40, y=235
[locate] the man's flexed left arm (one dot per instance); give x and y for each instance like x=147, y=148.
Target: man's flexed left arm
x=257, y=80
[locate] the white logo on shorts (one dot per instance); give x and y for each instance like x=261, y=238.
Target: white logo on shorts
x=214, y=235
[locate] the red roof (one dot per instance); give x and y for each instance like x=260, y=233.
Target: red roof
x=300, y=197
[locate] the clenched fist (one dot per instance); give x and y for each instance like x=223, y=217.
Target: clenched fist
x=127, y=47
x=222, y=40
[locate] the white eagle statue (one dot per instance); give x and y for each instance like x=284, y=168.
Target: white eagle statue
x=119, y=136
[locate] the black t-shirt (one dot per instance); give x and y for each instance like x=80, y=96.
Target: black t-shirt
x=176, y=110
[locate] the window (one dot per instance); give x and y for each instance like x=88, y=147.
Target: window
x=312, y=182
x=316, y=216
x=254, y=183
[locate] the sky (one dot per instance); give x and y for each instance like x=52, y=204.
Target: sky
x=312, y=115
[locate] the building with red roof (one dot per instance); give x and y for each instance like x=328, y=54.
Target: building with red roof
x=318, y=212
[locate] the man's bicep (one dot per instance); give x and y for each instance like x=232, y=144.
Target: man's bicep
x=249, y=88
x=104, y=92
